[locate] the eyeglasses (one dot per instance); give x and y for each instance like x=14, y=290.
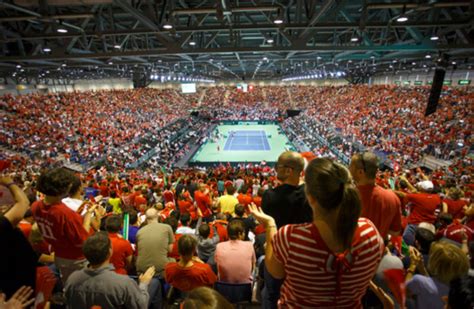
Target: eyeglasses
x=277, y=166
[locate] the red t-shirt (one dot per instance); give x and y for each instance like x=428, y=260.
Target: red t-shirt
x=454, y=232
x=455, y=207
x=25, y=228
x=104, y=190
x=245, y=200
x=203, y=201
x=168, y=196
x=189, y=278
x=139, y=200
x=257, y=201
x=174, y=252
x=122, y=249
x=221, y=228
x=187, y=206
x=423, y=207
x=62, y=228
x=382, y=207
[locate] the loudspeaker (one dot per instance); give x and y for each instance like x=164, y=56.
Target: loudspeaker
x=435, y=91
x=292, y=112
x=140, y=80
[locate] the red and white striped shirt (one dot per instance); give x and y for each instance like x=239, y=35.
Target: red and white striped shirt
x=317, y=277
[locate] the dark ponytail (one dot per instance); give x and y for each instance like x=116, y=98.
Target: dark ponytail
x=330, y=184
x=349, y=213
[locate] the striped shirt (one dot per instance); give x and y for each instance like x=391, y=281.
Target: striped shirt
x=317, y=277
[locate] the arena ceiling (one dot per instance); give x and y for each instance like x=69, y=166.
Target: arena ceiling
x=230, y=39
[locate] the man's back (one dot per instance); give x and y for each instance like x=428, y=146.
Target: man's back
x=122, y=250
x=423, y=207
x=62, y=228
x=235, y=260
x=203, y=202
x=103, y=287
x=382, y=207
x=227, y=203
x=287, y=205
x=153, y=242
x=187, y=278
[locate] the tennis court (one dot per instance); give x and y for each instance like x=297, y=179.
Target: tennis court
x=247, y=140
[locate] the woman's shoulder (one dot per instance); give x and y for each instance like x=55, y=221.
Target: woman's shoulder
x=298, y=228
x=366, y=233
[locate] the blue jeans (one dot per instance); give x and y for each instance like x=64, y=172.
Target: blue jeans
x=156, y=294
x=409, y=234
x=271, y=291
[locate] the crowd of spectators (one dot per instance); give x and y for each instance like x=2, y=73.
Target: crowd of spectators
x=122, y=126
x=210, y=232
x=389, y=119
x=119, y=236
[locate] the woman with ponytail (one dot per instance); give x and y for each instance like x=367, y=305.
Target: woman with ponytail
x=328, y=262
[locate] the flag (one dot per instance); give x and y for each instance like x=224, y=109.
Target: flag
x=126, y=220
x=45, y=282
x=395, y=279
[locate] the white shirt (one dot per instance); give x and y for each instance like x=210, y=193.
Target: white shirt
x=72, y=203
x=185, y=230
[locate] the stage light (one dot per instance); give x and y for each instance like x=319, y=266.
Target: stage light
x=278, y=21
x=167, y=25
x=402, y=18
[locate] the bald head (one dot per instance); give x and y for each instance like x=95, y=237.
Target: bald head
x=289, y=167
x=363, y=167
x=151, y=215
x=292, y=159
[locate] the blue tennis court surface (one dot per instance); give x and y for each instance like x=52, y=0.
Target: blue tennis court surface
x=247, y=140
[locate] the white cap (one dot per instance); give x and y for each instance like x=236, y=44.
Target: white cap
x=427, y=226
x=425, y=185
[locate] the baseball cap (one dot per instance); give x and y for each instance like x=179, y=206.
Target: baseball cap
x=425, y=185
x=428, y=226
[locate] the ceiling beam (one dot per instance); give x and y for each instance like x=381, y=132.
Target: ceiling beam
x=327, y=26
x=226, y=50
x=231, y=10
x=414, y=5
x=144, y=20
x=316, y=17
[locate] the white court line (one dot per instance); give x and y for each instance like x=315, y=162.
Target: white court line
x=230, y=144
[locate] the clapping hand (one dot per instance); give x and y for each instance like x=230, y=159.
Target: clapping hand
x=415, y=256
x=21, y=299
x=147, y=275
x=261, y=217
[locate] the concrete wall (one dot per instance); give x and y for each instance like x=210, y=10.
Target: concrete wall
x=87, y=85
x=59, y=86
x=424, y=77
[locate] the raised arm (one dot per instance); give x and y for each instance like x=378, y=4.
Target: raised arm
x=16, y=213
x=274, y=267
